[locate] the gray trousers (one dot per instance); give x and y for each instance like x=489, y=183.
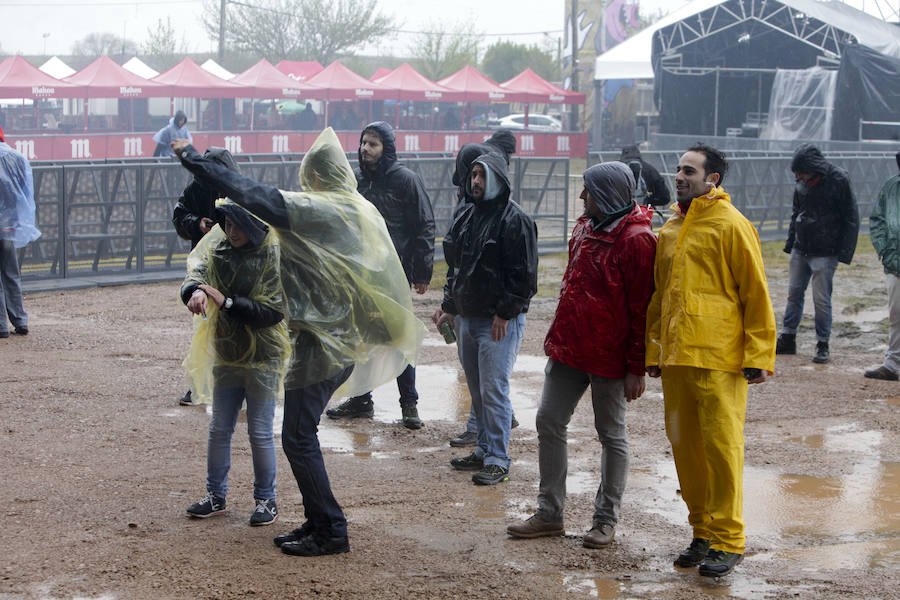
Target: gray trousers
x=892, y=356
x=563, y=388
x=11, y=298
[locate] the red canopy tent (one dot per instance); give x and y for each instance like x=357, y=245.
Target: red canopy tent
x=265, y=81
x=301, y=70
x=188, y=80
x=477, y=87
x=20, y=79
x=412, y=85
x=538, y=90
x=379, y=73
x=337, y=82
x=103, y=78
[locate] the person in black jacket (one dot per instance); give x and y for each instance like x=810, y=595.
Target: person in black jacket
x=399, y=195
x=650, y=186
x=823, y=232
x=491, y=254
x=194, y=214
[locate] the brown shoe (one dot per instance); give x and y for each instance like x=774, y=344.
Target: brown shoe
x=599, y=536
x=533, y=527
x=882, y=372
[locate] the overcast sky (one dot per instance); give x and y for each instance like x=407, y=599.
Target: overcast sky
x=52, y=26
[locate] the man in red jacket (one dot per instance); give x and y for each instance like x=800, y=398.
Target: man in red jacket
x=597, y=340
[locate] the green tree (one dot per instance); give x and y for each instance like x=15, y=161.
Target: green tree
x=297, y=29
x=439, y=52
x=104, y=44
x=505, y=60
x=163, y=42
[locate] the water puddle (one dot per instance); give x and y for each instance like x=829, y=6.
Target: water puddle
x=489, y=501
x=661, y=584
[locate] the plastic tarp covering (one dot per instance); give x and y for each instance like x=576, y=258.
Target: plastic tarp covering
x=17, y=207
x=801, y=104
x=868, y=89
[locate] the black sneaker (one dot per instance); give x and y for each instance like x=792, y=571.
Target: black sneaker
x=266, y=513
x=822, y=355
x=466, y=438
x=207, y=507
x=352, y=409
x=490, y=475
x=786, y=344
x=719, y=563
x=411, y=418
x=23, y=330
x=694, y=554
x=314, y=545
x=471, y=462
x=514, y=423
x=881, y=372
x=292, y=536
x=186, y=400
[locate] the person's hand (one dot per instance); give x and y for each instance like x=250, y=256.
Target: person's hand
x=440, y=316
x=634, y=386
x=654, y=371
x=206, y=224
x=498, y=328
x=421, y=288
x=214, y=294
x=763, y=375
x=179, y=145
x=197, y=302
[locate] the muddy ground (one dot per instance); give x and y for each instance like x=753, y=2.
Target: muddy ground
x=99, y=464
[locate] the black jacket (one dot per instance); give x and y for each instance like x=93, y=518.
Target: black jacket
x=400, y=197
x=657, y=190
x=198, y=201
x=491, y=254
x=825, y=218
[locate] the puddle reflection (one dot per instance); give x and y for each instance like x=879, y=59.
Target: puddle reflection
x=489, y=501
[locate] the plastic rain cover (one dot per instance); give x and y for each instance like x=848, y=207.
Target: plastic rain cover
x=16, y=198
x=801, y=105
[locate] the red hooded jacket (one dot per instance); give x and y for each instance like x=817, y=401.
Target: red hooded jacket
x=600, y=319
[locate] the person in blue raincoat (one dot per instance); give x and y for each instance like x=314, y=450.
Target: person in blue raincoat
x=175, y=130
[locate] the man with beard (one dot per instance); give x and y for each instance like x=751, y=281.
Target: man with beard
x=491, y=254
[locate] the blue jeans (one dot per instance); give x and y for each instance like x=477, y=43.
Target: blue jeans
x=406, y=385
x=260, y=414
x=563, y=388
x=487, y=365
x=10, y=287
x=300, y=439
x=821, y=270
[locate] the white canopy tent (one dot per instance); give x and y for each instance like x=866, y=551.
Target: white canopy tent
x=217, y=69
x=55, y=67
x=140, y=68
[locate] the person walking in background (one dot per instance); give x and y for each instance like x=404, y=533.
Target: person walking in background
x=823, y=232
x=710, y=331
x=884, y=228
x=649, y=186
x=491, y=254
x=175, y=130
x=239, y=352
x=596, y=340
x=17, y=229
x=194, y=214
x=400, y=197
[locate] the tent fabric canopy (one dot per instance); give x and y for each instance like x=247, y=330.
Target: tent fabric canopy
x=20, y=79
x=540, y=91
x=140, y=68
x=103, y=78
x=379, y=73
x=188, y=79
x=477, y=87
x=412, y=85
x=217, y=69
x=301, y=70
x=337, y=82
x=55, y=67
x=266, y=81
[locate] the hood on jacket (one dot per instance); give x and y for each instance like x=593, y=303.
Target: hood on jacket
x=388, y=142
x=325, y=167
x=611, y=186
x=809, y=159
x=502, y=142
x=253, y=228
x=178, y=116
x=497, y=176
x=629, y=153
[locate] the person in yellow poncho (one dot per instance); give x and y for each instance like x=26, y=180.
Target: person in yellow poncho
x=239, y=351
x=350, y=313
x=710, y=331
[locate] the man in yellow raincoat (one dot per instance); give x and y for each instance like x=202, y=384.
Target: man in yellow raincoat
x=710, y=331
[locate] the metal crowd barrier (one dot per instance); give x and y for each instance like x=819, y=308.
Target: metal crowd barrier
x=114, y=217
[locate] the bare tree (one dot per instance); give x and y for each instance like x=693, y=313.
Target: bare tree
x=163, y=42
x=298, y=29
x=439, y=52
x=103, y=44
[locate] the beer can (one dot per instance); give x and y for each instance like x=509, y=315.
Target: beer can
x=447, y=332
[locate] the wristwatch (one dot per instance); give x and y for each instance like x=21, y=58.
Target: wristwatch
x=228, y=303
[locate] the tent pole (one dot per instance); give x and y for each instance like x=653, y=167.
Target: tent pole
x=252, y=114
x=527, y=106
x=85, y=114
x=131, y=114
x=220, y=114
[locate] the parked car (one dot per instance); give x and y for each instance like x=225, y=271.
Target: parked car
x=535, y=122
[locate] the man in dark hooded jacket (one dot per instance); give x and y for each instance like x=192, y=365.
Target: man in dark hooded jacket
x=399, y=195
x=491, y=254
x=649, y=185
x=823, y=231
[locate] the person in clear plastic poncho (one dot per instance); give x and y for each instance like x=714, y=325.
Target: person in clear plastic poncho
x=239, y=350
x=349, y=311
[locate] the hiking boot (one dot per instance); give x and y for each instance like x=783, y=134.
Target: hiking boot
x=411, y=418
x=466, y=438
x=514, y=423
x=533, y=527
x=822, y=355
x=472, y=462
x=694, y=554
x=599, y=536
x=351, y=409
x=265, y=514
x=23, y=330
x=315, y=545
x=786, y=344
x=293, y=536
x=881, y=372
x=490, y=475
x=186, y=400
x=719, y=563
x=207, y=507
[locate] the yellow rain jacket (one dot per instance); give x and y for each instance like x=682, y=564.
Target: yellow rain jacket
x=711, y=308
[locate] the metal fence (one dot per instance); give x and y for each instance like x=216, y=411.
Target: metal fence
x=114, y=217
x=761, y=183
